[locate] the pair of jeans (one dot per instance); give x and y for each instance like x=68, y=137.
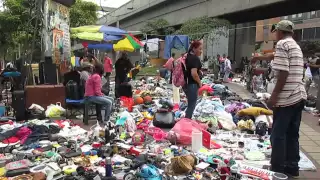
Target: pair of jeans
x=106, y=102
x=192, y=96
x=285, y=138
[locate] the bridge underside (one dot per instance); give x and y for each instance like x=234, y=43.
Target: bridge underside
x=273, y=10
x=177, y=12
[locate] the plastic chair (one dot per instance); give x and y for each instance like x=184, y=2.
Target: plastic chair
x=87, y=107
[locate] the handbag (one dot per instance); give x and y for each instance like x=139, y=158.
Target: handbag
x=164, y=119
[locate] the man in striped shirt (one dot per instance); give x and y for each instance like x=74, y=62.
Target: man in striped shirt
x=287, y=101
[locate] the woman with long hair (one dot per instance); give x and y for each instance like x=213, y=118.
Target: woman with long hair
x=93, y=91
x=193, y=73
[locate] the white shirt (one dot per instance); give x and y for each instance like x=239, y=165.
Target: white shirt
x=227, y=65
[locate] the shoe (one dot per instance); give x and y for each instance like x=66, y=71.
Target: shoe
x=292, y=174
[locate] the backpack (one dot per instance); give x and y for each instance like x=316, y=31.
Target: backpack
x=178, y=74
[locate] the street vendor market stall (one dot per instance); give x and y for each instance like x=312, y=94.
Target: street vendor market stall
x=147, y=138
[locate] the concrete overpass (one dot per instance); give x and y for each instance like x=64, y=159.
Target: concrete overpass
x=134, y=14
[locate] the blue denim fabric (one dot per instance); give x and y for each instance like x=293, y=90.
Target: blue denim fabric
x=192, y=96
x=285, y=138
x=106, y=102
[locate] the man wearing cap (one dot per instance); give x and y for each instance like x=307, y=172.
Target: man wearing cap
x=287, y=100
x=86, y=70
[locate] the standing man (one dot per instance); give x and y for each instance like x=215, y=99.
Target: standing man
x=314, y=66
x=227, y=69
x=287, y=101
x=216, y=67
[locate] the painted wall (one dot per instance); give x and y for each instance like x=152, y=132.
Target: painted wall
x=57, y=31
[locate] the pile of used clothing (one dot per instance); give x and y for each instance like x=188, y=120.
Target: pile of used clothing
x=148, y=138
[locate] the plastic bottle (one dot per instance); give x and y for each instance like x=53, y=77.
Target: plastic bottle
x=96, y=130
x=108, y=167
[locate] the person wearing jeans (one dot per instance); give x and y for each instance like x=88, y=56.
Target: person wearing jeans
x=94, y=94
x=287, y=101
x=193, y=71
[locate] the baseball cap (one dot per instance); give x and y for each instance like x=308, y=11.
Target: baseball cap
x=284, y=25
x=86, y=65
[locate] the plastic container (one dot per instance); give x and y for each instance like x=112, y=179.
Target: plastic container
x=196, y=141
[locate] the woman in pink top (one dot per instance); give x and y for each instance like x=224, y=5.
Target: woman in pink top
x=107, y=70
x=93, y=91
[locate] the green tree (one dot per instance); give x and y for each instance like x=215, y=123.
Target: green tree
x=158, y=27
x=309, y=48
x=17, y=22
x=83, y=13
x=201, y=27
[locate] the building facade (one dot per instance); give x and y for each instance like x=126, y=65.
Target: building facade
x=307, y=28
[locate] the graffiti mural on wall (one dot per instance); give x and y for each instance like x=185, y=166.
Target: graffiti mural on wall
x=58, y=22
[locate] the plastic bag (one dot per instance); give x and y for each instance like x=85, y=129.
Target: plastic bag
x=308, y=73
x=127, y=102
x=55, y=110
x=127, y=120
x=225, y=120
x=183, y=130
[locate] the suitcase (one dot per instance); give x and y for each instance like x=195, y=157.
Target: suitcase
x=19, y=104
x=44, y=95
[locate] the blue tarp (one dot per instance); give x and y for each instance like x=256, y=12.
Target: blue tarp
x=101, y=46
x=180, y=42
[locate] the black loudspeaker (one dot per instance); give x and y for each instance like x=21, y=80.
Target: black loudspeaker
x=41, y=72
x=19, y=105
x=50, y=73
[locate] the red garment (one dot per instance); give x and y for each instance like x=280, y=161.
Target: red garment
x=107, y=65
x=93, y=86
x=10, y=140
x=60, y=123
x=23, y=134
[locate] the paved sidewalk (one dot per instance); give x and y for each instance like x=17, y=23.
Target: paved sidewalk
x=309, y=134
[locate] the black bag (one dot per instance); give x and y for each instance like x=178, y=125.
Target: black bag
x=164, y=120
x=261, y=128
x=72, y=90
x=125, y=89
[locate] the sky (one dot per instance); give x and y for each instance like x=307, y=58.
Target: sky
x=110, y=3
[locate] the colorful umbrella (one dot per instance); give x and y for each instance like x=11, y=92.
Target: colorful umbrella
x=130, y=43
x=98, y=33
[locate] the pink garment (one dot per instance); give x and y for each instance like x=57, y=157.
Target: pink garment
x=107, y=65
x=169, y=64
x=93, y=86
x=23, y=134
x=222, y=59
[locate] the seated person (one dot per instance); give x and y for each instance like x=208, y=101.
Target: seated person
x=86, y=70
x=93, y=91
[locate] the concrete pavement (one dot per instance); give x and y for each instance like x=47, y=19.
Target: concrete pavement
x=309, y=134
